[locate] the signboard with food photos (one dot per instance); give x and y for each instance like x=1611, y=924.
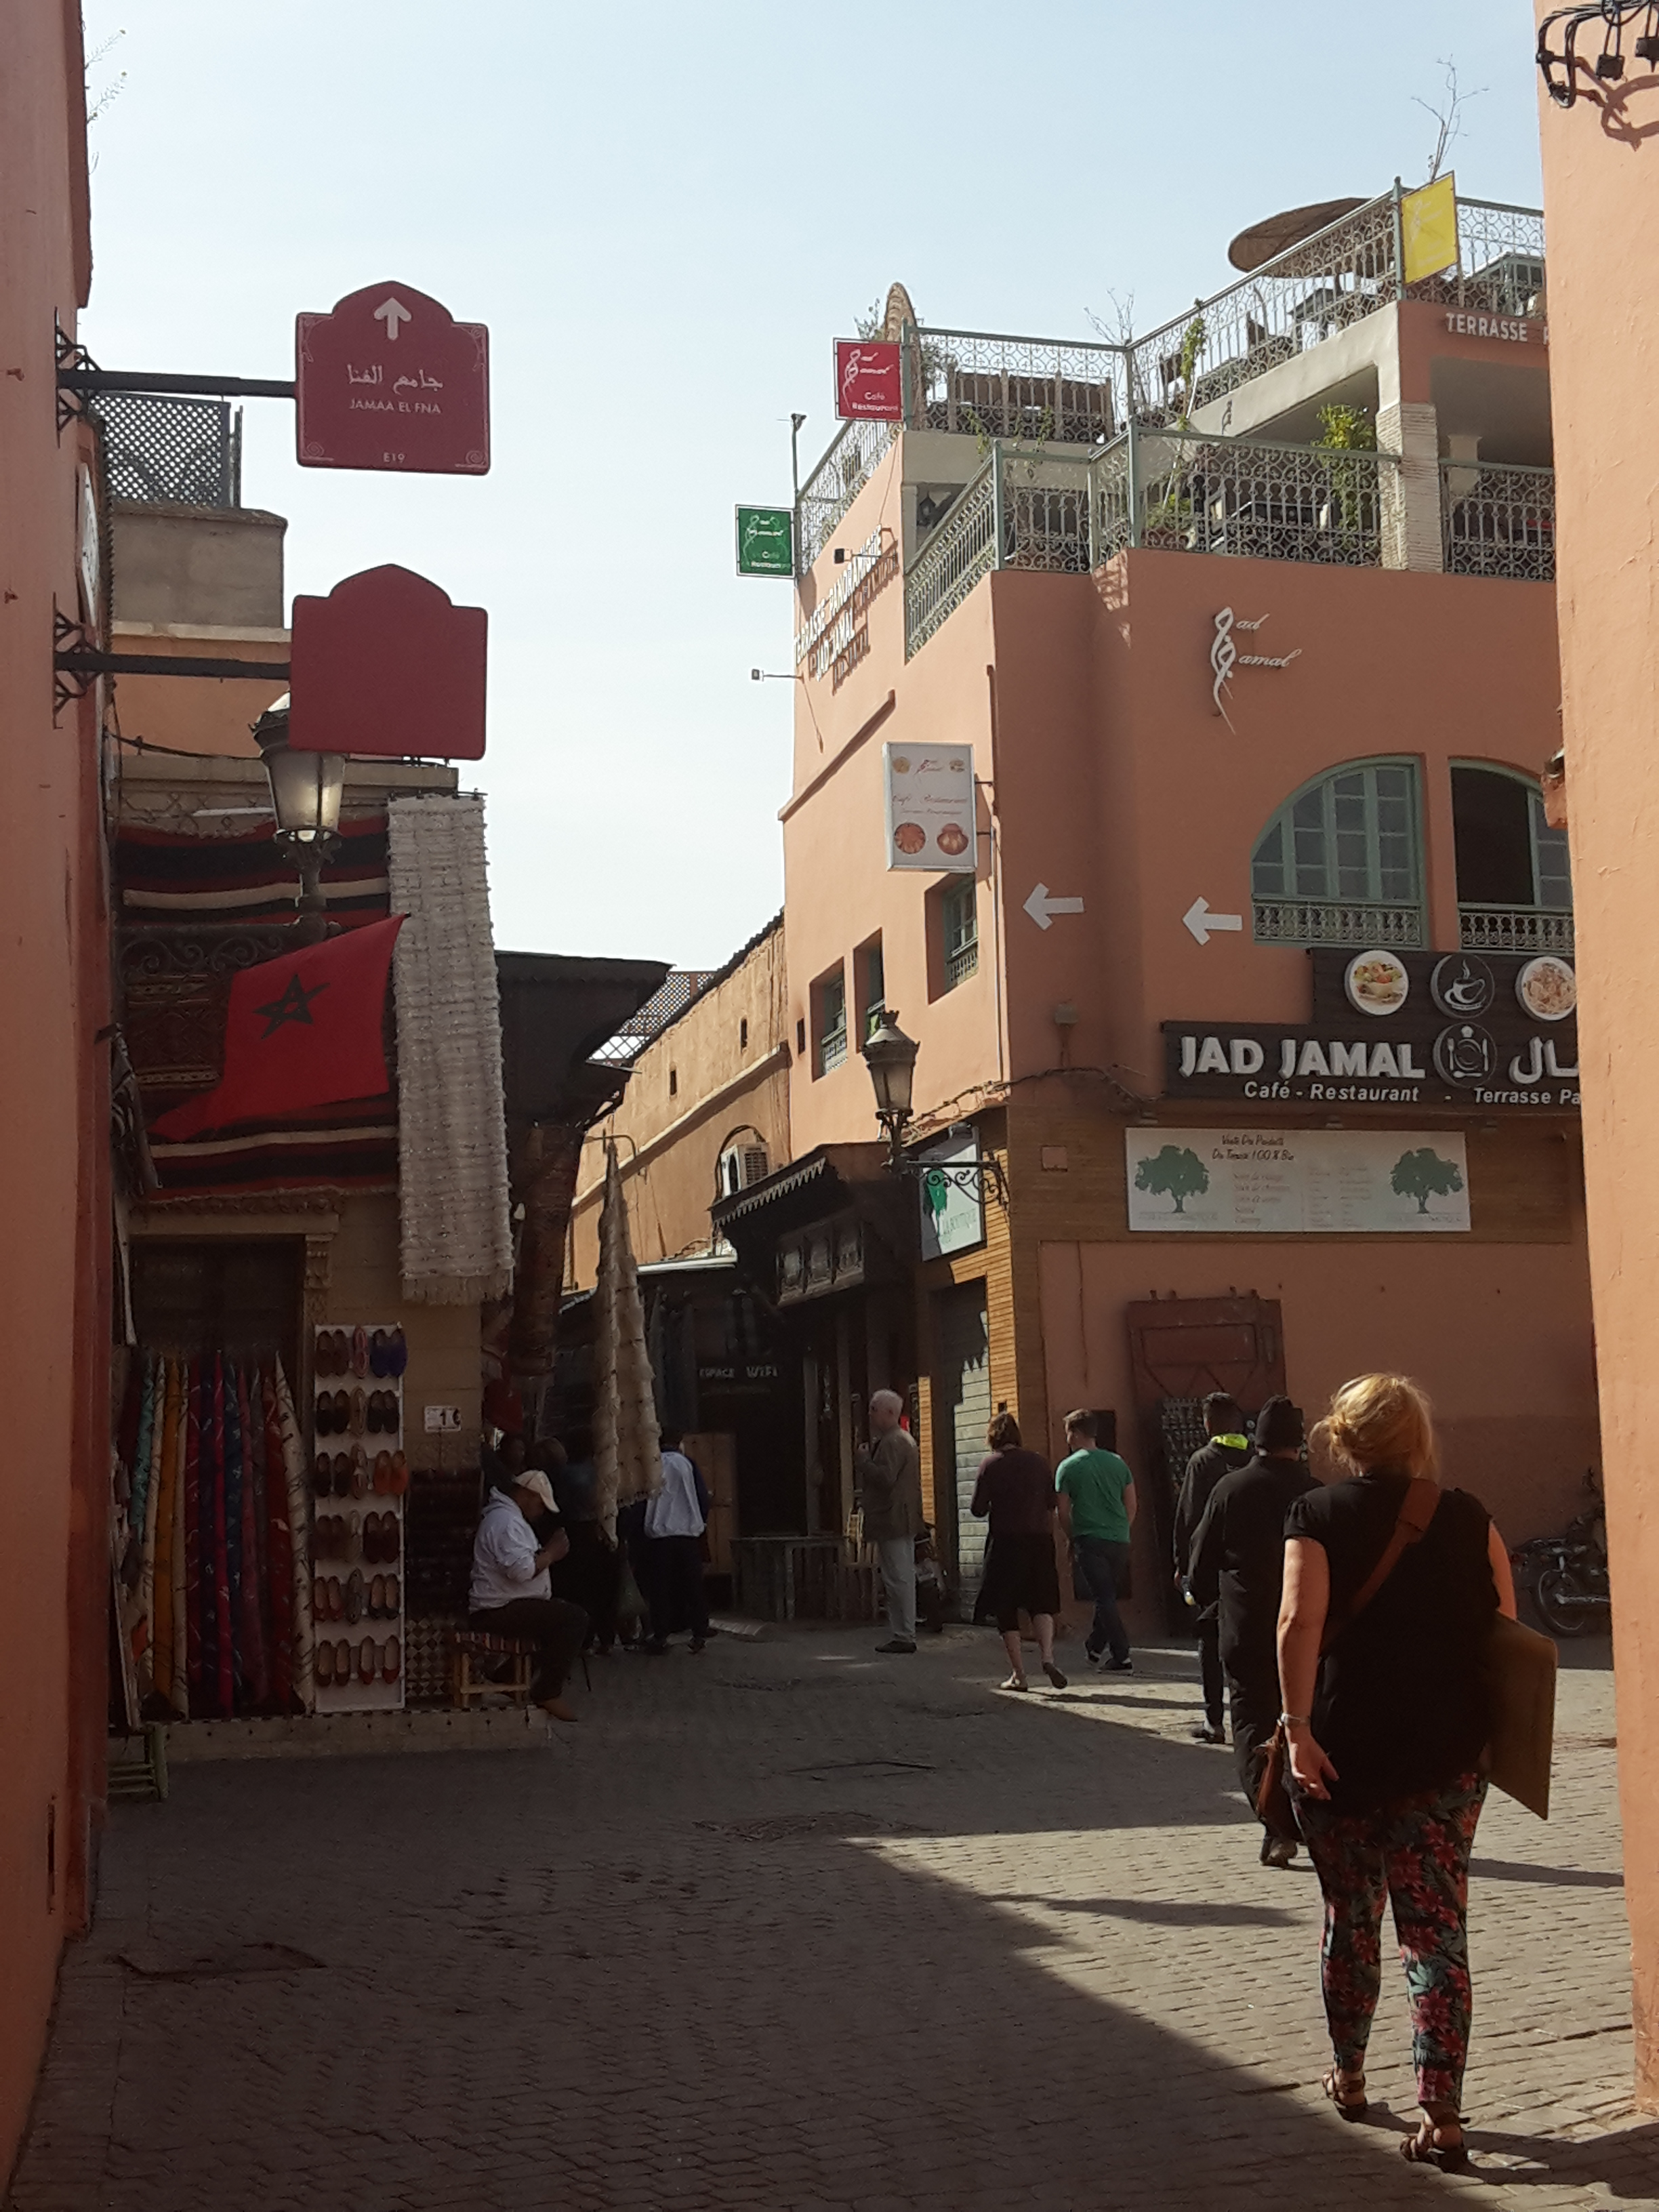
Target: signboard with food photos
x=1399, y=1028
x=930, y=808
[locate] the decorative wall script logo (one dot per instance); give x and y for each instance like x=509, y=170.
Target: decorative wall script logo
x=1224, y=656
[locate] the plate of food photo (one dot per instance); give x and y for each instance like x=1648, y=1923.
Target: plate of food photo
x=1376, y=982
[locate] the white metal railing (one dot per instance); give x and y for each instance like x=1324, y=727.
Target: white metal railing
x=951, y=561
x=1498, y=520
x=1063, y=514
x=1336, y=922
x=1250, y=496
x=836, y=481
x=1500, y=259
x=1514, y=929
x=1069, y=391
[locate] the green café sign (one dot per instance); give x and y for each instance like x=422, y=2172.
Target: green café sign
x=766, y=541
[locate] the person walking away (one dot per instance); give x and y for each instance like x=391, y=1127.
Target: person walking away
x=1228, y=1447
x=1015, y=1489
x=510, y=1592
x=1391, y=1587
x=674, y=1522
x=889, y=1472
x=1237, y=1575
x=1097, y=1495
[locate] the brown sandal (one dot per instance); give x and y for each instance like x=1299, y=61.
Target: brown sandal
x=1426, y=2148
x=1345, y=2091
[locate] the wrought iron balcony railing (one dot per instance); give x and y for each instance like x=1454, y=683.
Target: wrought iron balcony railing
x=1336, y=922
x=1514, y=929
x=1064, y=515
x=1498, y=520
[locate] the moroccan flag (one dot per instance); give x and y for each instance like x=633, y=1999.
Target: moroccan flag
x=303, y=1030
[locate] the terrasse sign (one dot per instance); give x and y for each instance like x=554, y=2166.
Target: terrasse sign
x=1388, y=1029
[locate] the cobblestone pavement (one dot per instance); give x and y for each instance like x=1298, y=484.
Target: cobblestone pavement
x=792, y=1928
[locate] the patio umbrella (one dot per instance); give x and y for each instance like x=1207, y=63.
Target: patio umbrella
x=625, y=1447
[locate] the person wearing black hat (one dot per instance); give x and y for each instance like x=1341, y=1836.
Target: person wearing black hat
x=1237, y=1564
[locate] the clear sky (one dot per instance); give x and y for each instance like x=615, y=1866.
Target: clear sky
x=665, y=214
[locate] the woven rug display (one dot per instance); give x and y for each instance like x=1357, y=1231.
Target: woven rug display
x=452, y=1144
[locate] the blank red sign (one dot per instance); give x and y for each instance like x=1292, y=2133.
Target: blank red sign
x=390, y=380
x=386, y=665
x=868, y=380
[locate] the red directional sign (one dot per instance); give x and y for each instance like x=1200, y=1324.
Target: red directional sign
x=388, y=380
x=387, y=664
x=868, y=380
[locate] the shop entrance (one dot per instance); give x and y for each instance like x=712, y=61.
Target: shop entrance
x=962, y=1411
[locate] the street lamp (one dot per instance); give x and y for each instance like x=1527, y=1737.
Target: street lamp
x=306, y=789
x=890, y=1056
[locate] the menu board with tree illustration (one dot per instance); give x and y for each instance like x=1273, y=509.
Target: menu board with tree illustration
x=1296, y=1182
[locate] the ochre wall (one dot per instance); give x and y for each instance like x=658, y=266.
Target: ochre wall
x=54, y=1316
x=670, y=1141
x=1601, y=202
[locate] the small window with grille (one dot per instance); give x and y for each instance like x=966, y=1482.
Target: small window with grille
x=871, y=976
x=829, y=1020
x=1340, y=861
x=959, y=916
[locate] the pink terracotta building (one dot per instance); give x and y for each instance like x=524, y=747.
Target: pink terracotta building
x=1252, y=965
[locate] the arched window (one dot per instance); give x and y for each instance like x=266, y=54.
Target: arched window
x=1340, y=863
x=1514, y=886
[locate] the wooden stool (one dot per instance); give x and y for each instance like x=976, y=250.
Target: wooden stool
x=471, y=1649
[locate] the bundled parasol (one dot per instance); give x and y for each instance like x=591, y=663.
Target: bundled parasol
x=625, y=1447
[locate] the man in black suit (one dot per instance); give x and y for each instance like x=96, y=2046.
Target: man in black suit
x=1228, y=1448
x=1238, y=1565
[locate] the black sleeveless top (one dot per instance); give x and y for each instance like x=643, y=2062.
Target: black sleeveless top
x=1401, y=1702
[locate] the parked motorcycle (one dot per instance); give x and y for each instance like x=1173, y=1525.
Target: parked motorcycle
x=1567, y=1576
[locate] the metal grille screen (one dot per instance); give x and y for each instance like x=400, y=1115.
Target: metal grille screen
x=169, y=448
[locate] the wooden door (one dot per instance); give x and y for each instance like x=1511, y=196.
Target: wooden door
x=1181, y=1349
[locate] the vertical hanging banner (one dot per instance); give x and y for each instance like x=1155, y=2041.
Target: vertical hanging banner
x=869, y=380
x=930, y=808
x=766, y=541
x=388, y=379
x=1428, y=223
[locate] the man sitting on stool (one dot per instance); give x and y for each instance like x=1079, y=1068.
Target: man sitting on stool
x=511, y=1591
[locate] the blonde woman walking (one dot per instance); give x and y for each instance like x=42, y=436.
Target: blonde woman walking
x=1391, y=1586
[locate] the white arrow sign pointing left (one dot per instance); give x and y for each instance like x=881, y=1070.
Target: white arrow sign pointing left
x=1203, y=924
x=391, y=311
x=1043, y=906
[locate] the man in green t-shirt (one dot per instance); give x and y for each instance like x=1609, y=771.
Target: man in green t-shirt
x=1097, y=1510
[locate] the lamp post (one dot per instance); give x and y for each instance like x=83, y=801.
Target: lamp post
x=890, y=1057
x=306, y=789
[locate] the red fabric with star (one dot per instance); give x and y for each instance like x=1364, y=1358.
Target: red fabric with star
x=303, y=1030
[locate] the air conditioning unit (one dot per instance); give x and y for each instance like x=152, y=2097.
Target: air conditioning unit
x=741, y=1168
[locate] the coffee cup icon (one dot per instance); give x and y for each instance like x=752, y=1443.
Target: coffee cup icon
x=1465, y=1054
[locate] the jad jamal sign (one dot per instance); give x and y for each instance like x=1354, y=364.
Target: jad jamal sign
x=1296, y=1182
x=930, y=808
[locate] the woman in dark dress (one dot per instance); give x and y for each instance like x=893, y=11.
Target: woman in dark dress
x=1016, y=1488
x=1386, y=1721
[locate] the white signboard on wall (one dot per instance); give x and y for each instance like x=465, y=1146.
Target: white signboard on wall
x=930, y=808
x=1296, y=1183
x=952, y=1218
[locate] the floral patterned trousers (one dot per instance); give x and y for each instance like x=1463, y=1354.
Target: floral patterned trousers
x=1416, y=1851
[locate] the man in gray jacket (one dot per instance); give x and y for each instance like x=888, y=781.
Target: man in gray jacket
x=889, y=1491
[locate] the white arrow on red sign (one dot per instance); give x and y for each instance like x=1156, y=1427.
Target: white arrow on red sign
x=391, y=311
x=1204, y=925
x=1043, y=906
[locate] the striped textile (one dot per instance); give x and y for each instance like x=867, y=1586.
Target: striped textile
x=164, y=876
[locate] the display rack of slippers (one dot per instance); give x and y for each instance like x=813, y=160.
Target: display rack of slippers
x=359, y=1479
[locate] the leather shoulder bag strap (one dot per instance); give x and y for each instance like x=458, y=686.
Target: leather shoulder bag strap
x=1417, y=1510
